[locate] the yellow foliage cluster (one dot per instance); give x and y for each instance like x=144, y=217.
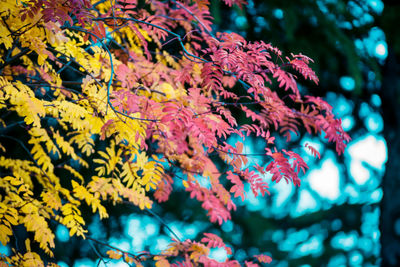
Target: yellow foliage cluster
x=58, y=129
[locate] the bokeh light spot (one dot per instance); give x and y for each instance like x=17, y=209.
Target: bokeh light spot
x=381, y=50
x=376, y=100
x=325, y=181
x=347, y=83
x=278, y=13
x=374, y=122
x=371, y=149
x=62, y=233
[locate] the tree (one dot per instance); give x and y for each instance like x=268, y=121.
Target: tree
x=335, y=34
x=390, y=96
x=342, y=37
x=119, y=103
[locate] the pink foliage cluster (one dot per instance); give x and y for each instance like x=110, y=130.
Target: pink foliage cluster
x=192, y=127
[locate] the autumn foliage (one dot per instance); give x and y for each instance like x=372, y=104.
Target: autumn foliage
x=125, y=101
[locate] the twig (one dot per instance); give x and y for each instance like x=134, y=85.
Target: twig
x=14, y=58
x=111, y=76
x=29, y=153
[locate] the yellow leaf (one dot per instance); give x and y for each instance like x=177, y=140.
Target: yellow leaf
x=162, y=263
x=73, y=231
x=28, y=244
x=112, y=254
x=5, y=232
x=128, y=259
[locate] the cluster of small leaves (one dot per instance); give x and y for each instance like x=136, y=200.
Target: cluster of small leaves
x=194, y=254
x=90, y=87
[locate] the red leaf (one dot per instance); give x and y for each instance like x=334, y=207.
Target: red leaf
x=313, y=150
x=263, y=258
x=215, y=241
x=238, y=187
x=164, y=189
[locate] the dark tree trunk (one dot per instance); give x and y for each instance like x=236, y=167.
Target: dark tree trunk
x=390, y=94
x=390, y=205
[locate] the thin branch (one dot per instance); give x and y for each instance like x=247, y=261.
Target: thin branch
x=14, y=58
x=73, y=60
x=242, y=154
x=186, y=53
x=110, y=246
x=97, y=253
x=98, y=3
x=111, y=76
x=10, y=127
x=163, y=223
x=158, y=218
x=136, y=257
x=29, y=153
x=196, y=18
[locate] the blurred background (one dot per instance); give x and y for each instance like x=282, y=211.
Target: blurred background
x=347, y=210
